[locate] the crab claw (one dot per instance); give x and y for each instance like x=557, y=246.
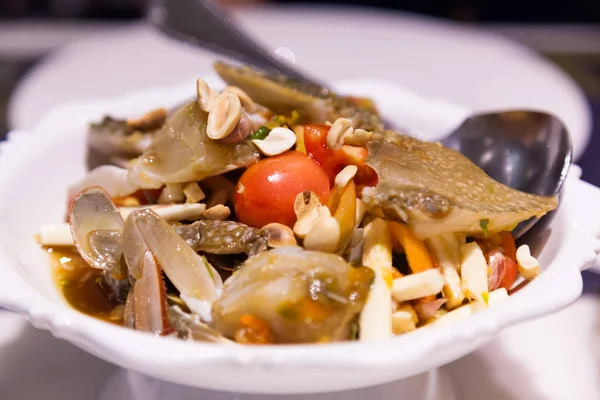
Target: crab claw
x=146, y=307
x=197, y=281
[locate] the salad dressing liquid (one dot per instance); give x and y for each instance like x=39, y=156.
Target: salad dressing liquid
x=81, y=286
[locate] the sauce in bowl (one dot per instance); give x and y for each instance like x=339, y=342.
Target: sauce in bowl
x=82, y=286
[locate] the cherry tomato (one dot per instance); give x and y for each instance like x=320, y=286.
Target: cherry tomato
x=267, y=190
x=501, y=255
x=510, y=251
x=333, y=161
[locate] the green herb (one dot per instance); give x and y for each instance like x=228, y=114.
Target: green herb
x=261, y=133
x=486, y=297
x=276, y=121
x=484, y=225
x=491, y=189
x=98, y=279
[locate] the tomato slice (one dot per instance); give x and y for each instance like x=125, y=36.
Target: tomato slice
x=267, y=190
x=333, y=161
x=501, y=255
x=510, y=251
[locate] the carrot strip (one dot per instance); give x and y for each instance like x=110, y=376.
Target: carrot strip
x=417, y=255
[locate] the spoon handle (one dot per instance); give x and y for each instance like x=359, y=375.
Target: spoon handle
x=205, y=23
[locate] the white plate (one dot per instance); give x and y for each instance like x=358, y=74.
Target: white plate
x=463, y=65
x=41, y=163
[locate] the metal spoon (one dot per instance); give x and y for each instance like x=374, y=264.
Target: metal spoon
x=206, y=24
x=527, y=150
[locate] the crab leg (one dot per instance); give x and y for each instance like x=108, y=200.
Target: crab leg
x=148, y=242
x=223, y=237
x=197, y=281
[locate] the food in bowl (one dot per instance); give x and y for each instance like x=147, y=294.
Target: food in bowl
x=271, y=212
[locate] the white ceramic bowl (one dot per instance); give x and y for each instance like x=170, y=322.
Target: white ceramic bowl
x=36, y=167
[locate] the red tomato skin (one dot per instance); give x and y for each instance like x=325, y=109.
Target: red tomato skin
x=333, y=161
x=267, y=190
x=501, y=249
x=510, y=274
x=510, y=251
